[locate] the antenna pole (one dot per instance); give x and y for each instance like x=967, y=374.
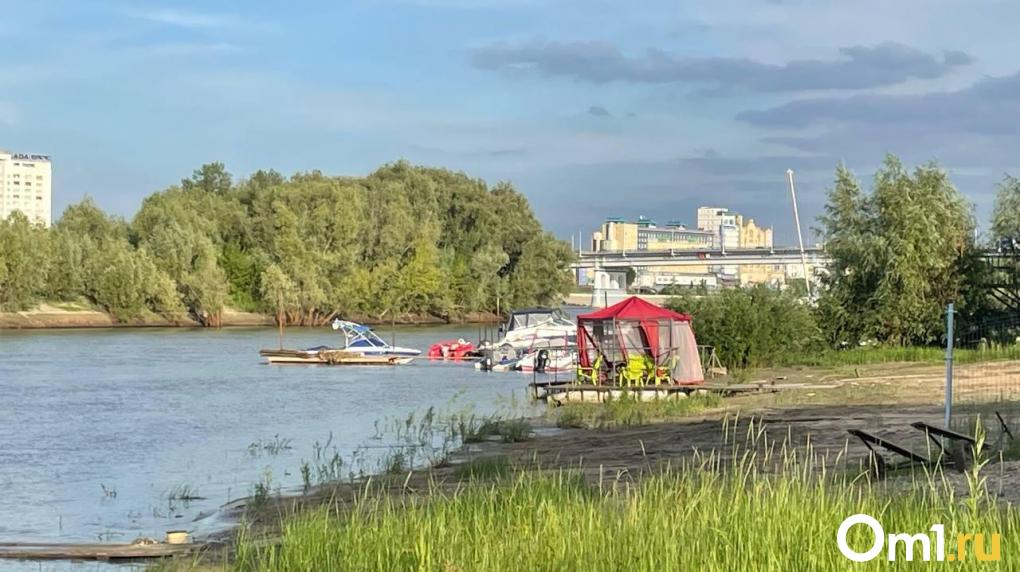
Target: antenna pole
x=800, y=238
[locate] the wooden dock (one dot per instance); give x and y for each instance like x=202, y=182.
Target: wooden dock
x=570, y=392
x=100, y=552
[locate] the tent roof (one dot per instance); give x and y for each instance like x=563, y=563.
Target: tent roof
x=634, y=308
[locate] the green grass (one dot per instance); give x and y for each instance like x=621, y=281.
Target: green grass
x=484, y=468
x=764, y=511
x=879, y=355
x=628, y=411
x=515, y=430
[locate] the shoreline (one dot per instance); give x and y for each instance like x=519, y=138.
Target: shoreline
x=48, y=317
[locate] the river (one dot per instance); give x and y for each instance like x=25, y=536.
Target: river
x=100, y=430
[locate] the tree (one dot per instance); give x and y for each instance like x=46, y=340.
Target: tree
x=1006, y=212
x=210, y=178
x=279, y=291
x=24, y=249
x=899, y=255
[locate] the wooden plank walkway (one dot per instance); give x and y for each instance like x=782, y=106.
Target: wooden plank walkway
x=59, y=551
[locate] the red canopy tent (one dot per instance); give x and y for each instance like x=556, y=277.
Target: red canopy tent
x=636, y=327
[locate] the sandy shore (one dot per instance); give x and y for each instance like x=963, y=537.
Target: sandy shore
x=49, y=316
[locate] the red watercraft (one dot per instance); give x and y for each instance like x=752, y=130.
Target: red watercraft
x=451, y=349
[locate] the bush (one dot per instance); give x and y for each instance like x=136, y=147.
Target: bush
x=751, y=327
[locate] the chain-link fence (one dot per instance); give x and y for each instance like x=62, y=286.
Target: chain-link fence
x=986, y=376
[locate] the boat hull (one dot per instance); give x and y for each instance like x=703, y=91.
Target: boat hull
x=331, y=357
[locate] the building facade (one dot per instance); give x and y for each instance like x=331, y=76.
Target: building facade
x=644, y=234
x=26, y=186
x=718, y=229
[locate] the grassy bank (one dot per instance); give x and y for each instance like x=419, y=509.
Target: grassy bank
x=763, y=511
x=628, y=411
x=880, y=355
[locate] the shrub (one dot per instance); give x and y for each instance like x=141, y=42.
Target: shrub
x=751, y=327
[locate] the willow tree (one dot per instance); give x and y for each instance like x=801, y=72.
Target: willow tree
x=1006, y=212
x=899, y=254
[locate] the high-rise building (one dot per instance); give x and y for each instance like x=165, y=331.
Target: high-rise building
x=26, y=186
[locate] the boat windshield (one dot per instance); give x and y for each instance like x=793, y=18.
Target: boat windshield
x=358, y=336
x=533, y=317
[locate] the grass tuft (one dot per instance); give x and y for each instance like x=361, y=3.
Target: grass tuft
x=629, y=411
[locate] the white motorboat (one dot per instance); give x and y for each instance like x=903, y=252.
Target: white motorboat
x=532, y=328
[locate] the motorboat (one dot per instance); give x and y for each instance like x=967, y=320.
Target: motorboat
x=361, y=339
x=532, y=328
x=526, y=331
x=548, y=360
x=324, y=355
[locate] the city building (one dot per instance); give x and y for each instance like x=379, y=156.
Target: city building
x=718, y=228
x=754, y=236
x=617, y=234
x=26, y=186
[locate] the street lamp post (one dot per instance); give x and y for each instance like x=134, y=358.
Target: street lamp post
x=800, y=238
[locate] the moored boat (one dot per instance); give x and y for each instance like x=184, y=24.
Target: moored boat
x=452, y=349
x=330, y=356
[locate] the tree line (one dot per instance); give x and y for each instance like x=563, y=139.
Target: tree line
x=403, y=240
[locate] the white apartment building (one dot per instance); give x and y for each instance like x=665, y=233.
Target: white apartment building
x=26, y=186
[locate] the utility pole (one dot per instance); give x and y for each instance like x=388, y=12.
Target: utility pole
x=800, y=238
x=949, y=364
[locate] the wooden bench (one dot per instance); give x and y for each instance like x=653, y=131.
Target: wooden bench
x=880, y=465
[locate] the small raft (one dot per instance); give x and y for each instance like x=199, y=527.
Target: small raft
x=330, y=357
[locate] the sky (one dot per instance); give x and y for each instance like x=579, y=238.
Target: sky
x=590, y=108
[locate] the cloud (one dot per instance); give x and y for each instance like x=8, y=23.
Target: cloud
x=599, y=111
x=859, y=67
x=982, y=108
x=186, y=19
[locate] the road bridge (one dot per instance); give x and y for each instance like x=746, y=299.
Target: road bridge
x=730, y=257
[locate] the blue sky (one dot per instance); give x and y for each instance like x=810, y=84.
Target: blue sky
x=591, y=108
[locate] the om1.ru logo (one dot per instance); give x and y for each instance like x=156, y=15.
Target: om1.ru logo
x=911, y=541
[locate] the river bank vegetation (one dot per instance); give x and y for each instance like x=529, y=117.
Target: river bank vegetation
x=402, y=240
x=761, y=505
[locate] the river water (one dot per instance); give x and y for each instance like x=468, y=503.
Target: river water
x=100, y=430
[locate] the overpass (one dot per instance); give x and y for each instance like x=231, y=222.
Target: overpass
x=731, y=257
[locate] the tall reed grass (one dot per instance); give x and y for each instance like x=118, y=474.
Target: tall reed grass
x=763, y=506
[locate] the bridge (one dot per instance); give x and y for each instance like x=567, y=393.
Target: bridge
x=730, y=257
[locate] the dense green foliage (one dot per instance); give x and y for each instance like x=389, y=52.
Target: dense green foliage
x=899, y=255
x=1006, y=213
x=403, y=240
x=750, y=327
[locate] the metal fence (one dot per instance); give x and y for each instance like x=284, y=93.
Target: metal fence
x=983, y=374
